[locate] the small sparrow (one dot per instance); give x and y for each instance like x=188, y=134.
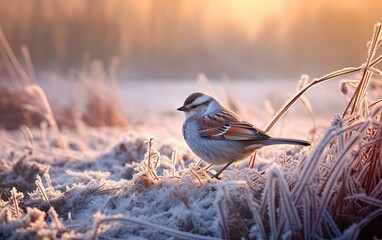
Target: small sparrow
x=218, y=136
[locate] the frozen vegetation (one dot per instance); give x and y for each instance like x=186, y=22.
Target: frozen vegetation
x=91, y=174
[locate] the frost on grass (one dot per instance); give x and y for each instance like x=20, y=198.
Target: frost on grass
x=107, y=183
x=139, y=187
x=126, y=181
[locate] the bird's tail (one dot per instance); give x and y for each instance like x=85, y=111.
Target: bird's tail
x=272, y=141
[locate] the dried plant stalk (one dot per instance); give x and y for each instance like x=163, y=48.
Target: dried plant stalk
x=358, y=96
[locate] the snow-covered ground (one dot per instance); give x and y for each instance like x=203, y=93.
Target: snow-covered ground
x=100, y=184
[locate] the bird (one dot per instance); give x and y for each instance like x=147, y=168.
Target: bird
x=218, y=136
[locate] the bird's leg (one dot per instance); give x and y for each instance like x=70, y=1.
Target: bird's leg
x=221, y=170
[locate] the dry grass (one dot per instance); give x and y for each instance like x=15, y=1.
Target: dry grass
x=338, y=186
x=334, y=191
x=22, y=100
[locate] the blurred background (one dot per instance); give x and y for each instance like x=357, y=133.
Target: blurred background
x=173, y=39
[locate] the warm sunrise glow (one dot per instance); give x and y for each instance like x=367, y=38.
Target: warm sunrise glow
x=242, y=39
x=249, y=13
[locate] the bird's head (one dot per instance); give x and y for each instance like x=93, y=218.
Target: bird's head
x=200, y=104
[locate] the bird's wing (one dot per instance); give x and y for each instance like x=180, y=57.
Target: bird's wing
x=230, y=128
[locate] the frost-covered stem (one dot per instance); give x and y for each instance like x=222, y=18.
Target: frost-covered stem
x=307, y=172
x=41, y=188
x=377, y=60
x=290, y=209
x=173, y=161
x=28, y=63
x=328, y=185
x=232, y=204
x=331, y=224
x=223, y=221
x=375, y=103
x=151, y=169
x=290, y=103
x=365, y=221
x=340, y=164
x=48, y=180
x=49, y=113
x=12, y=57
x=149, y=145
x=272, y=208
x=358, y=94
x=287, y=208
x=54, y=216
x=258, y=219
x=156, y=163
x=355, y=101
x=307, y=218
x=166, y=230
x=15, y=201
x=28, y=136
x=370, y=200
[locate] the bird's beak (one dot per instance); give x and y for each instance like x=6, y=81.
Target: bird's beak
x=182, y=108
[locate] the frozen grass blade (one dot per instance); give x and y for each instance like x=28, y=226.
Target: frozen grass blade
x=54, y=216
x=223, y=221
x=331, y=225
x=308, y=170
x=29, y=63
x=268, y=204
x=232, y=218
x=166, y=230
x=48, y=180
x=287, y=210
x=366, y=199
x=28, y=136
x=307, y=215
x=41, y=188
x=358, y=96
x=174, y=157
x=256, y=215
x=335, y=170
x=46, y=111
x=152, y=160
x=15, y=197
x=13, y=59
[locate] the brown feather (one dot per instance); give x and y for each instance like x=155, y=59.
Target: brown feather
x=225, y=125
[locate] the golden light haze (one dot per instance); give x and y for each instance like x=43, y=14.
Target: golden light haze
x=179, y=39
x=247, y=13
